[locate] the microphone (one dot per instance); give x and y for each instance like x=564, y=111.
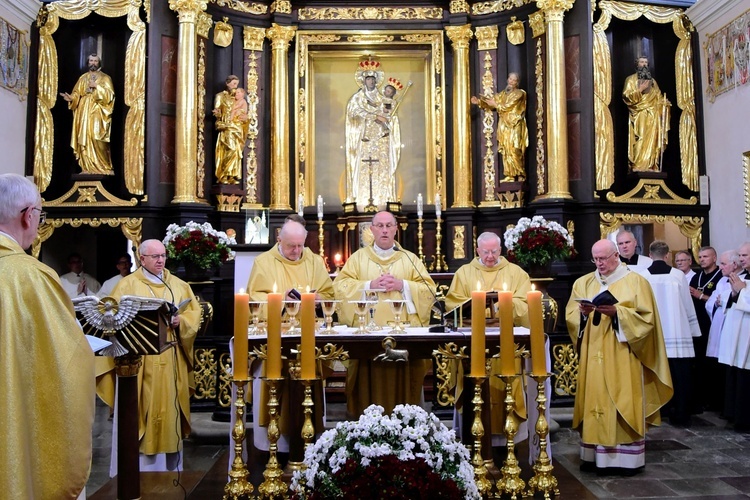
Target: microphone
x=438, y=306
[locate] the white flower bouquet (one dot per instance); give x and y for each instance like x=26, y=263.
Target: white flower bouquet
x=538, y=241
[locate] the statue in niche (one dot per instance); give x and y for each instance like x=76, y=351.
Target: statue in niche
x=230, y=110
x=92, y=101
x=512, y=133
x=373, y=137
x=648, y=121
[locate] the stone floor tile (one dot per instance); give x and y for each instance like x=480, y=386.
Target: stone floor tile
x=700, y=486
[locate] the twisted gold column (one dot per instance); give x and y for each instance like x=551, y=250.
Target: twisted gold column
x=557, y=112
x=186, y=123
x=462, y=188
x=280, y=37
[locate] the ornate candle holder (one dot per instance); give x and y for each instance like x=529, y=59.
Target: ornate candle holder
x=329, y=307
x=238, y=486
x=255, y=307
x=438, y=264
x=321, y=248
x=511, y=481
x=420, y=238
x=397, y=307
x=273, y=486
x=292, y=310
x=477, y=430
x=308, y=427
x=543, y=479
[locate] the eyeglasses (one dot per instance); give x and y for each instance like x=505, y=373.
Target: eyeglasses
x=488, y=252
x=42, y=213
x=157, y=256
x=602, y=259
x=384, y=226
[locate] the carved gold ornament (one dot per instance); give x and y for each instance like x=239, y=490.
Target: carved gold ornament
x=690, y=227
x=242, y=6
x=223, y=33
x=369, y=13
x=515, y=32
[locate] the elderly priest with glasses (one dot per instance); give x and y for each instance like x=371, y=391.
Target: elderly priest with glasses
x=623, y=376
x=398, y=275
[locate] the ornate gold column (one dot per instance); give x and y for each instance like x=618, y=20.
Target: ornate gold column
x=557, y=112
x=280, y=37
x=186, y=123
x=462, y=189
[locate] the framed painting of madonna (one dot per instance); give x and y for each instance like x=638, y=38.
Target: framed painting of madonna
x=369, y=116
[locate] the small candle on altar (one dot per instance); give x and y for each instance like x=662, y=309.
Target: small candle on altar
x=307, y=319
x=420, y=206
x=320, y=207
x=538, y=350
x=273, y=347
x=301, y=205
x=438, y=206
x=478, y=302
x=241, y=322
x=507, y=345
x=337, y=260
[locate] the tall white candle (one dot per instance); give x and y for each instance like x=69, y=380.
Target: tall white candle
x=420, y=208
x=438, y=206
x=320, y=207
x=301, y=205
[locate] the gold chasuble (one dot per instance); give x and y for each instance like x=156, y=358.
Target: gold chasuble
x=493, y=278
x=158, y=415
x=383, y=383
x=621, y=384
x=47, y=377
x=272, y=268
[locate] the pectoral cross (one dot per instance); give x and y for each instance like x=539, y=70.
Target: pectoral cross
x=370, y=202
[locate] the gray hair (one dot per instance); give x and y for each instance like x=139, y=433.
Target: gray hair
x=16, y=193
x=146, y=243
x=488, y=236
x=733, y=257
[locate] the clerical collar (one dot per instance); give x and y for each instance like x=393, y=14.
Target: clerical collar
x=9, y=236
x=633, y=260
x=153, y=278
x=287, y=258
x=616, y=275
x=383, y=254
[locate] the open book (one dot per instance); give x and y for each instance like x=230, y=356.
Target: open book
x=604, y=298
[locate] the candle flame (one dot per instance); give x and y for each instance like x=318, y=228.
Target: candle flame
x=308, y=289
x=479, y=286
x=274, y=287
x=505, y=287
x=533, y=287
x=242, y=290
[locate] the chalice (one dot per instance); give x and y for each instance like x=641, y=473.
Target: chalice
x=329, y=307
x=360, y=308
x=372, y=297
x=255, y=306
x=397, y=308
x=292, y=310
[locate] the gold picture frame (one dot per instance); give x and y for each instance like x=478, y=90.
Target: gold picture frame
x=746, y=182
x=326, y=62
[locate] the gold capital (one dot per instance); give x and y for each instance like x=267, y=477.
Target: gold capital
x=487, y=37
x=204, y=24
x=459, y=35
x=253, y=38
x=187, y=10
x=280, y=36
x=550, y=6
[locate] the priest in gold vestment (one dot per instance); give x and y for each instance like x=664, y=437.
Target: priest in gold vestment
x=288, y=265
x=92, y=101
x=163, y=400
x=401, y=276
x=492, y=272
x=46, y=367
x=623, y=377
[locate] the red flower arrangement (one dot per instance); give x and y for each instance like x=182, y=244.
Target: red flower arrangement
x=198, y=244
x=538, y=241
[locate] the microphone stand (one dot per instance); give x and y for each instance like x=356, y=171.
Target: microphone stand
x=441, y=328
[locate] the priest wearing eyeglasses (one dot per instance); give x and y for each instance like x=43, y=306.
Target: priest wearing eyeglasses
x=398, y=275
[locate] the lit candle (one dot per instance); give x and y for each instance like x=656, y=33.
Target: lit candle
x=320, y=207
x=273, y=348
x=301, y=205
x=420, y=207
x=307, y=320
x=438, y=206
x=507, y=346
x=478, y=301
x=337, y=260
x=538, y=351
x=241, y=322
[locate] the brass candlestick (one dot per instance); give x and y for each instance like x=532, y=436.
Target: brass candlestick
x=238, y=485
x=438, y=264
x=273, y=486
x=420, y=237
x=511, y=481
x=308, y=428
x=321, y=249
x=477, y=430
x=543, y=479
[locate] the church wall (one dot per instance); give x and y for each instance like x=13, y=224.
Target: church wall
x=726, y=137
x=13, y=126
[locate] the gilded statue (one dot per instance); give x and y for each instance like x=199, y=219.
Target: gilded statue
x=373, y=137
x=512, y=133
x=92, y=101
x=230, y=110
x=648, y=121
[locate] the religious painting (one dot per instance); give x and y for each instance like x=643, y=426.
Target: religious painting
x=728, y=56
x=369, y=117
x=14, y=59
